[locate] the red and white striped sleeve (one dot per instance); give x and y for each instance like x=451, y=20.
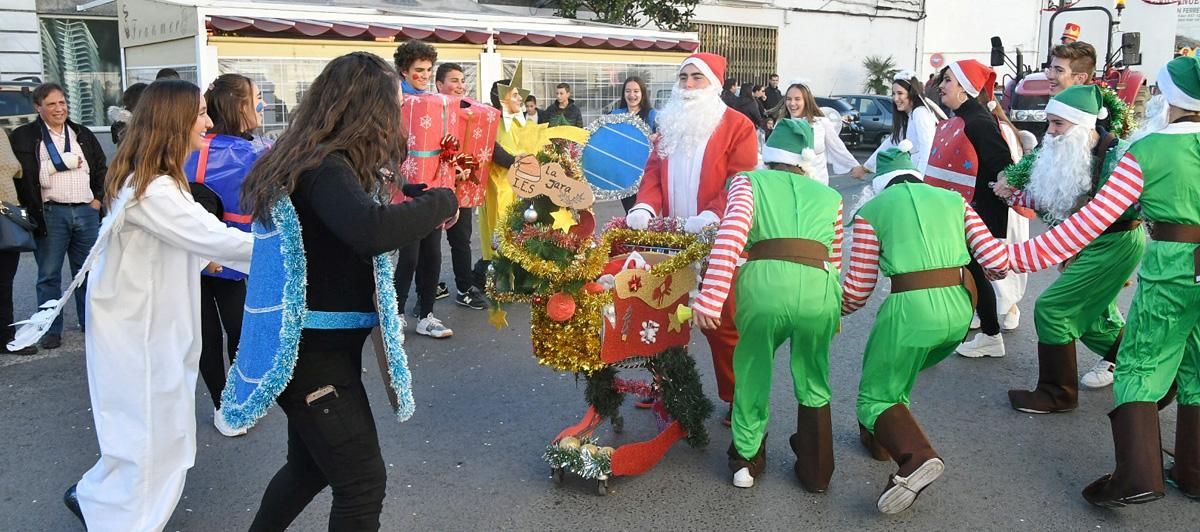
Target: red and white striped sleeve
x=864, y=266
x=835, y=252
x=988, y=250
x=1067, y=239
x=727, y=249
x=1022, y=199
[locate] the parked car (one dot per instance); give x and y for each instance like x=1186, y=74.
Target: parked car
x=852, y=128
x=875, y=113
x=16, y=104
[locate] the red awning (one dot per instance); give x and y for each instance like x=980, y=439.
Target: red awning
x=251, y=26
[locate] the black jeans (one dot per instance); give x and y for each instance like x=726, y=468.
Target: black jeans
x=424, y=259
x=221, y=305
x=459, y=237
x=8, y=271
x=989, y=322
x=331, y=442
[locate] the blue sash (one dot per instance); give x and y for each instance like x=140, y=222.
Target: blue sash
x=55, y=157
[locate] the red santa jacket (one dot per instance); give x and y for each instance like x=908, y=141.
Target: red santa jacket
x=732, y=148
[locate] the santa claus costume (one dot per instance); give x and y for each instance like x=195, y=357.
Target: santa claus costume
x=922, y=237
x=702, y=144
x=1161, y=346
x=792, y=226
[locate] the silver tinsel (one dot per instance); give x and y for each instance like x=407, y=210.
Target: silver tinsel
x=623, y=118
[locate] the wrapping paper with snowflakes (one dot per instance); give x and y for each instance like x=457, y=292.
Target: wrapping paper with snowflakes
x=428, y=118
x=642, y=320
x=480, y=124
x=953, y=163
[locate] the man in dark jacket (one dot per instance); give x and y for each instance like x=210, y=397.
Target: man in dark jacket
x=563, y=111
x=774, y=97
x=64, y=168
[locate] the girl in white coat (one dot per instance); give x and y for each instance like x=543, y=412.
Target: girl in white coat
x=799, y=103
x=143, y=315
x=914, y=119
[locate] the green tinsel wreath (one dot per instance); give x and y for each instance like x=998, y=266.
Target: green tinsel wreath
x=1120, y=121
x=1017, y=174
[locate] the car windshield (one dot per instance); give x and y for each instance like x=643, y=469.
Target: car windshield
x=15, y=103
x=839, y=105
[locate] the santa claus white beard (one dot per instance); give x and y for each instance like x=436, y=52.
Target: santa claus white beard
x=688, y=119
x=1062, y=173
x=1158, y=116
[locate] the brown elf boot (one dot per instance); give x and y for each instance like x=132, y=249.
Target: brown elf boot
x=899, y=433
x=1137, y=478
x=872, y=446
x=813, y=446
x=754, y=466
x=1058, y=382
x=1185, y=473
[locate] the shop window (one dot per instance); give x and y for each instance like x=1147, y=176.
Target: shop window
x=83, y=55
x=595, y=87
x=147, y=74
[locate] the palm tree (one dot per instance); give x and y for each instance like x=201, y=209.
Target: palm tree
x=879, y=73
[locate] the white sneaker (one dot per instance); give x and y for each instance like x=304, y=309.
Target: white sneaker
x=975, y=322
x=1101, y=375
x=1011, y=320
x=433, y=328
x=223, y=427
x=982, y=346
x=742, y=478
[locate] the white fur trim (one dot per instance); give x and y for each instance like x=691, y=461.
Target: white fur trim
x=646, y=207
x=906, y=75
x=704, y=69
x=963, y=80
x=1071, y=114
x=1175, y=96
x=991, y=105
x=119, y=114
x=1103, y=113
x=905, y=146
x=776, y=155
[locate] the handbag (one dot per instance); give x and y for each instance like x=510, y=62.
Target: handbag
x=16, y=229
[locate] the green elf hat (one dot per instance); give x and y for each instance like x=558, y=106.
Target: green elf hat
x=791, y=143
x=1081, y=105
x=514, y=84
x=1179, y=81
x=892, y=163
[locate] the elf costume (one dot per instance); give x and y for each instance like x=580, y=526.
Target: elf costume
x=517, y=137
x=922, y=237
x=1081, y=304
x=1159, y=172
x=792, y=227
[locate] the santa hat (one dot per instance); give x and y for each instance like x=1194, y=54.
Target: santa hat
x=1079, y=104
x=1071, y=31
x=791, y=143
x=892, y=163
x=1179, y=81
x=711, y=65
x=976, y=78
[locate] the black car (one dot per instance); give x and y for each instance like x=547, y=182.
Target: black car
x=875, y=114
x=852, y=128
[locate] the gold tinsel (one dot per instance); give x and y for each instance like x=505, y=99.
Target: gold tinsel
x=572, y=345
x=693, y=248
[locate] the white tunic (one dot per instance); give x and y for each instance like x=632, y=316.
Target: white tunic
x=143, y=349
x=683, y=180
x=830, y=150
x=921, y=128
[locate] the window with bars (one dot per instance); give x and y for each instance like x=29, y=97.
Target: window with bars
x=749, y=50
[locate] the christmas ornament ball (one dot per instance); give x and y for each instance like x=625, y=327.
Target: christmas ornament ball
x=531, y=214
x=570, y=442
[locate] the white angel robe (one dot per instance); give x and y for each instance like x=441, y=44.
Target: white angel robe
x=830, y=150
x=143, y=351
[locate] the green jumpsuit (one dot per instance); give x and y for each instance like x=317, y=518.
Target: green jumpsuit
x=1163, y=336
x=1082, y=303
x=919, y=227
x=780, y=300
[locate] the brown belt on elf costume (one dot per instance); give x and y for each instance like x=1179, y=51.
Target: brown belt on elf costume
x=1122, y=226
x=797, y=250
x=939, y=278
x=1185, y=233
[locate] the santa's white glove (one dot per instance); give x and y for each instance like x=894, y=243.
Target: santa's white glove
x=638, y=219
x=697, y=223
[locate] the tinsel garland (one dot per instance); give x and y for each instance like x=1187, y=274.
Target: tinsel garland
x=1121, y=122
x=569, y=241
x=572, y=345
x=586, y=265
x=638, y=388
x=602, y=393
x=1017, y=174
x=693, y=248
x=580, y=459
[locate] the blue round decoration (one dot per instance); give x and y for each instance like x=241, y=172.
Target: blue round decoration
x=615, y=156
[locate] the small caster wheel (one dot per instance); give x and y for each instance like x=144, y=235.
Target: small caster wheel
x=556, y=474
x=618, y=424
x=602, y=487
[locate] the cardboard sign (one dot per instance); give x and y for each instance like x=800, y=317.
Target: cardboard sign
x=529, y=179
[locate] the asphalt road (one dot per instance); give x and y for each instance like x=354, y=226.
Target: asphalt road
x=470, y=457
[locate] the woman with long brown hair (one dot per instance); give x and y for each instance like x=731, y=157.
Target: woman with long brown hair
x=323, y=180
x=143, y=321
x=799, y=103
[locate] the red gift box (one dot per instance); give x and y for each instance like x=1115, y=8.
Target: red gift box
x=480, y=124
x=643, y=321
x=428, y=119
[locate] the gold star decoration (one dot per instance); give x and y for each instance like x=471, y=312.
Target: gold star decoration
x=564, y=219
x=681, y=315
x=498, y=318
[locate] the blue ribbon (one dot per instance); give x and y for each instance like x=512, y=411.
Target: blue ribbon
x=52, y=149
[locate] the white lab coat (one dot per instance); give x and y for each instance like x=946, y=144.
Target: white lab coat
x=830, y=150
x=143, y=351
x=921, y=128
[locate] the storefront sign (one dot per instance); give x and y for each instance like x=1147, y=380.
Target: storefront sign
x=147, y=22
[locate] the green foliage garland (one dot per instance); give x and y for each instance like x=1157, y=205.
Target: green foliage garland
x=682, y=396
x=1017, y=174
x=1120, y=121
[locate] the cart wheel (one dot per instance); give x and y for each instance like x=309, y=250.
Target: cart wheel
x=556, y=473
x=602, y=487
x=618, y=424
